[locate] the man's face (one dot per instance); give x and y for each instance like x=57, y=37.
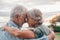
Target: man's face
x=19, y=19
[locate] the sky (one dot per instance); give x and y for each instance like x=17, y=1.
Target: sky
x=45, y=6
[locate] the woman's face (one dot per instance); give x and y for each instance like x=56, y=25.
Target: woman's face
x=19, y=19
x=32, y=22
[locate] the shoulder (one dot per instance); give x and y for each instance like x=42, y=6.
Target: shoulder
x=43, y=26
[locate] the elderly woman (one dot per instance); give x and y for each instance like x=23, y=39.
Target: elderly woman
x=35, y=20
x=37, y=33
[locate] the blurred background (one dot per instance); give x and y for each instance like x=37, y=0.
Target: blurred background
x=49, y=8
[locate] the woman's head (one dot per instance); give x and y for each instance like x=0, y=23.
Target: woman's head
x=18, y=14
x=34, y=17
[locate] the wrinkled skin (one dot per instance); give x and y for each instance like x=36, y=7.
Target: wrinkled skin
x=19, y=19
x=32, y=22
x=34, y=18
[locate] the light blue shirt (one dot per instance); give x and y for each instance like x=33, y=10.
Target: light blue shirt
x=6, y=36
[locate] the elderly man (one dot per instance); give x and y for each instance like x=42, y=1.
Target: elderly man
x=11, y=32
x=31, y=34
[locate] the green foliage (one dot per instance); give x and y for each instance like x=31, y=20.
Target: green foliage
x=56, y=28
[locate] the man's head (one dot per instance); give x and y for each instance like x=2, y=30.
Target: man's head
x=18, y=15
x=34, y=17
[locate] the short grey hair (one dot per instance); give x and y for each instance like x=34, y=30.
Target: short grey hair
x=19, y=9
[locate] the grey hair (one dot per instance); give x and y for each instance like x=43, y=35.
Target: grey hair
x=19, y=9
x=34, y=13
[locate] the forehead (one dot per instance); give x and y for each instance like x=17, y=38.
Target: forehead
x=17, y=14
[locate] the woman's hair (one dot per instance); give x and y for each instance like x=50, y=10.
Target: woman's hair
x=35, y=14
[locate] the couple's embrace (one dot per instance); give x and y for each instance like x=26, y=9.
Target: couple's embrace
x=35, y=31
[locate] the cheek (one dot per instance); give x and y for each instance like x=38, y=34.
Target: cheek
x=15, y=20
x=21, y=20
x=32, y=23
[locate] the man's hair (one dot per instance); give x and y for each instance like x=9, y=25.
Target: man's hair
x=18, y=9
x=35, y=13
